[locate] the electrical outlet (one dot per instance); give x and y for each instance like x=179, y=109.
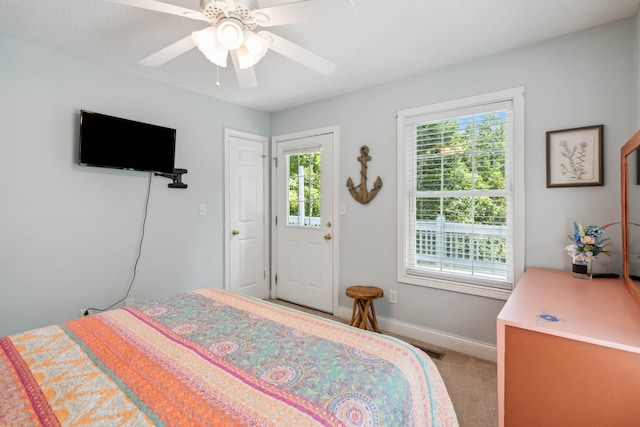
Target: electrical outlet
x=393, y=297
x=128, y=302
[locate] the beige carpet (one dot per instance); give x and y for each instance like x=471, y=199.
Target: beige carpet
x=471, y=382
x=472, y=385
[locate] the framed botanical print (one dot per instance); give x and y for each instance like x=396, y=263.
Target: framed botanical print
x=575, y=157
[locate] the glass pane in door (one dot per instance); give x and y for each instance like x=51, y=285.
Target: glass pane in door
x=304, y=189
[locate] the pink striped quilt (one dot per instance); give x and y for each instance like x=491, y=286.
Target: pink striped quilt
x=214, y=358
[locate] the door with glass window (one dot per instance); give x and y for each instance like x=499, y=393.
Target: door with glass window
x=304, y=221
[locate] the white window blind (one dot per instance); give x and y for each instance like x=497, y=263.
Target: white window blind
x=458, y=212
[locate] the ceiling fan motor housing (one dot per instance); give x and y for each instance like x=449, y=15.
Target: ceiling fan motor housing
x=241, y=10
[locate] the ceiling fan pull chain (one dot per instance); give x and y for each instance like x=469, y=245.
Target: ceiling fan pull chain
x=217, y=76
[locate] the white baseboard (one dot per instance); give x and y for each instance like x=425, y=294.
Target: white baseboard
x=468, y=346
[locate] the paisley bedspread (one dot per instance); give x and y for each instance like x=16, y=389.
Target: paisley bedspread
x=211, y=358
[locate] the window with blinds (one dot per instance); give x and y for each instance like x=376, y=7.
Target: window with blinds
x=457, y=202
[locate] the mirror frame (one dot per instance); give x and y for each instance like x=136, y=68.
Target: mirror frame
x=627, y=149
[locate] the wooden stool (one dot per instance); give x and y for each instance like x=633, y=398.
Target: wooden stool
x=363, y=309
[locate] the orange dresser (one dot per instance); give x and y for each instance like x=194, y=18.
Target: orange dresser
x=568, y=353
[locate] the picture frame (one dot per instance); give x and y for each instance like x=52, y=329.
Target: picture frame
x=575, y=157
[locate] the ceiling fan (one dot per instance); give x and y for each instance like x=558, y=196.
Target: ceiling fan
x=231, y=33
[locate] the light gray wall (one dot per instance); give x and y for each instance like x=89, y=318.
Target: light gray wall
x=577, y=80
x=69, y=234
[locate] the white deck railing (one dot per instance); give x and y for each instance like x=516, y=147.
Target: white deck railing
x=450, y=245
x=461, y=246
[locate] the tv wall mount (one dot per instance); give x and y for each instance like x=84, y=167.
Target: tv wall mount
x=176, y=176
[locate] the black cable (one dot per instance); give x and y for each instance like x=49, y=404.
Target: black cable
x=135, y=266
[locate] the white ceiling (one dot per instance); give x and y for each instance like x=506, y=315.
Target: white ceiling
x=372, y=41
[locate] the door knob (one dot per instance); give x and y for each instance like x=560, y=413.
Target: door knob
x=327, y=237
x=235, y=232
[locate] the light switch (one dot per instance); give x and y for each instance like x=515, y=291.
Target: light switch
x=343, y=209
x=203, y=209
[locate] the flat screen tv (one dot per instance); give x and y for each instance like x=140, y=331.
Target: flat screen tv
x=113, y=142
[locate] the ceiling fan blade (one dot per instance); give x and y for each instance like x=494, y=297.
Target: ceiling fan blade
x=270, y=3
x=299, y=54
x=247, y=77
x=163, y=7
x=353, y=6
x=168, y=53
x=289, y=13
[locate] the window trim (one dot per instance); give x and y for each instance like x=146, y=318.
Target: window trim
x=516, y=96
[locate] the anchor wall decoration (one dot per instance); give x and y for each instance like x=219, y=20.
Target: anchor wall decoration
x=359, y=192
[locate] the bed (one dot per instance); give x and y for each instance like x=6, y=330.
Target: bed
x=212, y=357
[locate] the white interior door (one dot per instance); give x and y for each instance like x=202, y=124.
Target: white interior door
x=246, y=248
x=304, y=234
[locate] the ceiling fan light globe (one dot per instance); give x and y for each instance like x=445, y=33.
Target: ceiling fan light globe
x=218, y=56
x=230, y=34
x=205, y=39
x=255, y=44
x=207, y=42
x=246, y=59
